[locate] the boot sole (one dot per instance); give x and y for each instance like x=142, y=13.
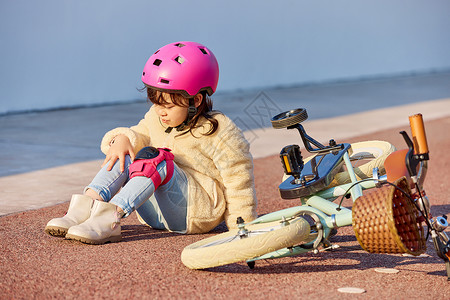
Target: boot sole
x=56, y=231
x=111, y=239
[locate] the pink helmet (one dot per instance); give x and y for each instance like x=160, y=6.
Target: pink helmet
x=184, y=67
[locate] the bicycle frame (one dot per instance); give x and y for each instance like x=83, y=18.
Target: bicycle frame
x=330, y=214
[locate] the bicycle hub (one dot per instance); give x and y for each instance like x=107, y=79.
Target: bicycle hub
x=440, y=224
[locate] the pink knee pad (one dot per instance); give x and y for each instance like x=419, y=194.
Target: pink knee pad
x=147, y=166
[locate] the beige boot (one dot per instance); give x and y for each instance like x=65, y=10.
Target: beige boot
x=102, y=226
x=78, y=212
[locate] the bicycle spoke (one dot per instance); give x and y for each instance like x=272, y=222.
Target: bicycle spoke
x=223, y=241
x=237, y=237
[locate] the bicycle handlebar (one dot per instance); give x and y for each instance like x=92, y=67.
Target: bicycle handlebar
x=418, y=134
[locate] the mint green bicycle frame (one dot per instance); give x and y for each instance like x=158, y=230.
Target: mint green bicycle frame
x=330, y=214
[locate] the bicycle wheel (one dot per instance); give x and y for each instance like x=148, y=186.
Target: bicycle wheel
x=229, y=247
x=365, y=157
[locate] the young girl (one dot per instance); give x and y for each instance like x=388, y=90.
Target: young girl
x=183, y=168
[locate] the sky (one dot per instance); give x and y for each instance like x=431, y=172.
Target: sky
x=61, y=53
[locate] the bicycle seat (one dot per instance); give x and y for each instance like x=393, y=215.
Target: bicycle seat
x=315, y=176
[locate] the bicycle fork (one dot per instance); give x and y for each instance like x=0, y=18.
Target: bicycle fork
x=438, y=236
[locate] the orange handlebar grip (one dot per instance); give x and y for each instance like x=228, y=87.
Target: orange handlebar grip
x=418, y=134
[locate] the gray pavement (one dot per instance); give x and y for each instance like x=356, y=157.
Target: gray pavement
x=46, y=156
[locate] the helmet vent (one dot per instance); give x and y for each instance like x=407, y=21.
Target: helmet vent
x=179, y=60
x=157, y=62
x=165, y=81
x=180, y=45
x=203, y=50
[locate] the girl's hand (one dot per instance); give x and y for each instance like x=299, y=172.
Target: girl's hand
x=120, y=147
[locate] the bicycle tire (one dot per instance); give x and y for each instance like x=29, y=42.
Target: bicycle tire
x=289, y=118
x=376, y=151
x=228, y=247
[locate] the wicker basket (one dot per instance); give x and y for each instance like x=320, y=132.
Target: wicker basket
x=385, y=221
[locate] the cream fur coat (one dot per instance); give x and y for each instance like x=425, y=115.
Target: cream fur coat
x=219, y=168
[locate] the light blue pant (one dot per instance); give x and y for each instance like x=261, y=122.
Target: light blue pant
x=165, y=208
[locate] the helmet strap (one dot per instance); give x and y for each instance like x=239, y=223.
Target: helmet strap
x=192, y=111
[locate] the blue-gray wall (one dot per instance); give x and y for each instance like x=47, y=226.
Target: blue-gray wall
x=62, y=53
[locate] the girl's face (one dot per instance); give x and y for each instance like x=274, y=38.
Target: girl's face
x=171, y=115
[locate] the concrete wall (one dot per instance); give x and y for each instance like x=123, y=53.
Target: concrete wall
x=62, y=53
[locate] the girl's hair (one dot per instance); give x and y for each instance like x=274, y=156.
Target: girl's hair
x=203, y=110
